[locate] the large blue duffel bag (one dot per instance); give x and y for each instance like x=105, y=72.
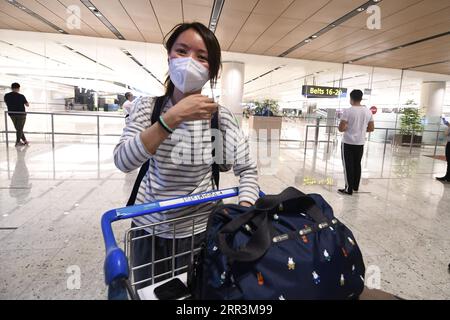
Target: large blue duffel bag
x=288, y=246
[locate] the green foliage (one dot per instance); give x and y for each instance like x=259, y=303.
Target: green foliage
x=265, y=107
x=411, y=122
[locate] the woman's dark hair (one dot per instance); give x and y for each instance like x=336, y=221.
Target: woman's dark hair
x=212, y=46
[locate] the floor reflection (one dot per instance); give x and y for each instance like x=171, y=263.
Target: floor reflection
x=20, y=187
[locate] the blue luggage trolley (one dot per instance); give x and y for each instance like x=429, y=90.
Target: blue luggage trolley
x=117, y=266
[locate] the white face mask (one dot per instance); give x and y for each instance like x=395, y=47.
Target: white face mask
x=187, y=74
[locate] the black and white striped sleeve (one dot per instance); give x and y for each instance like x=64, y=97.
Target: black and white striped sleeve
x=236, y=145
x=130, y=153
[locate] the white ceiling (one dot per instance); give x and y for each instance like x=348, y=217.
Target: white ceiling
x=43, y=57
x=264, y=27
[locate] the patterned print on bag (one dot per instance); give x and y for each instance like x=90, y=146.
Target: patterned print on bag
x=351, y=241
x=342, y=281
x=223, y=277
x=291, y=263
x=316, y=277
x=326, y=255
x=260, y=279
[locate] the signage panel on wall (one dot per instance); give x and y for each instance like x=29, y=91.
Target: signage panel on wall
x=323, y=92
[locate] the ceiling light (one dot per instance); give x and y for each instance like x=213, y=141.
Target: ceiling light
x=129, y=55
x=35, y=15
x=215, y=14
x=329, y=27
x=102, y=18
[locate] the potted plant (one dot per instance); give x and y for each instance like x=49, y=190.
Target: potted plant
x=410, y=126
x=265, y=116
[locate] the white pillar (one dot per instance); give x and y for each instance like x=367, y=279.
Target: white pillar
x=96, y=101
x=432, y=101
x=232, y=85
x=432, y=98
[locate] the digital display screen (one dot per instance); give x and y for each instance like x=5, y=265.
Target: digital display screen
x=323, y=92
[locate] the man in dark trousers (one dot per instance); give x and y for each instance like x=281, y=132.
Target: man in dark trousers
x=355, y=122
x=16, y=102
x=446, y=178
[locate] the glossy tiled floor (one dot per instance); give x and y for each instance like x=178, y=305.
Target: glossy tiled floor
x=51, y=202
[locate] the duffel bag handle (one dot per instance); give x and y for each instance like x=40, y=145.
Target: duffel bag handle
x=259, y=241
x=292, y=200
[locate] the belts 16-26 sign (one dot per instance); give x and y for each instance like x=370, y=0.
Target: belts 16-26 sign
x=323, y=92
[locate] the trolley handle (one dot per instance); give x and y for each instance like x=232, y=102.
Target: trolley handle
x=116, y=265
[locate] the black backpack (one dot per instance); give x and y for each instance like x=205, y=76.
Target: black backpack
x=159, y=103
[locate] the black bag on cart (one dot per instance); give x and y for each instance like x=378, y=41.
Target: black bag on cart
x=288, y=246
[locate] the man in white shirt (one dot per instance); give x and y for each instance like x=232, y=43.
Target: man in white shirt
x=355, y=122
x=128, y=104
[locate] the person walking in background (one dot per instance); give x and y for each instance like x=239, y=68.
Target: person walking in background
x=16, y=103
x=128, y=104
x=446, y=178
x=355, y=122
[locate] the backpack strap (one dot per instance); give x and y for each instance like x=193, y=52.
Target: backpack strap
x=157, y=109
x=215, y=177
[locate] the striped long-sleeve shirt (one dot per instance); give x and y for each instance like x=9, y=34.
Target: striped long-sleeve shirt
x=182, y=164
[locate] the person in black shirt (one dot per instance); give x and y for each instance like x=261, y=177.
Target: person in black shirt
x=16, y=103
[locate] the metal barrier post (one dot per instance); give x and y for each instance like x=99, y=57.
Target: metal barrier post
x=53, y=131
x=98, y=131
x=328, y=143
x=437, y=140
x=306, y=138
x=385, y=143
x=316, y=138
x=411, y=142
x=6, y=129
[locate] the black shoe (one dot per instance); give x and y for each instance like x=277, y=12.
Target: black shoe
x=443, y=179
x=344, y=191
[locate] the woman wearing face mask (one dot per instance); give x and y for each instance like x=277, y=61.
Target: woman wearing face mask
x=194, y=58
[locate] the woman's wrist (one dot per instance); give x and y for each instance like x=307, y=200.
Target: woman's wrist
x=172, y=119
x=245, y=204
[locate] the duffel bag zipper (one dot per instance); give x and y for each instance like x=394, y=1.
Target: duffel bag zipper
x=304, y=232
